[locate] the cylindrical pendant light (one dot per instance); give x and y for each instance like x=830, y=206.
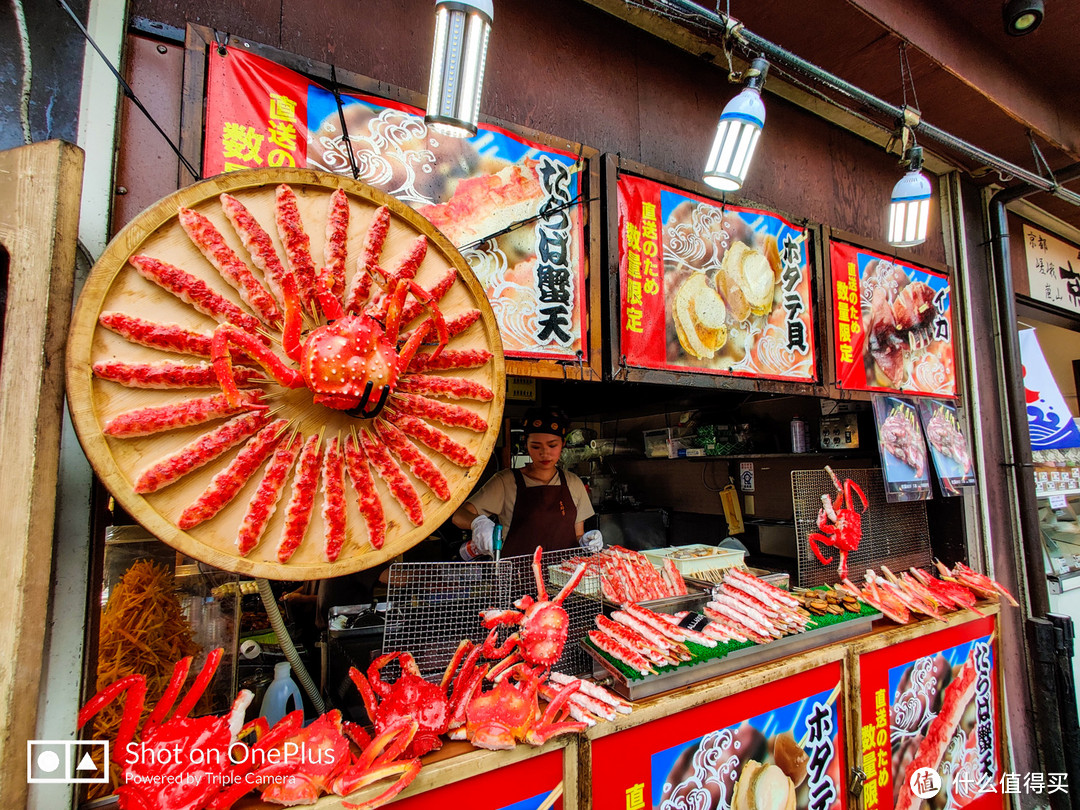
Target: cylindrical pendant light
x=737, y=133
x=909, y=210
x=462, y=28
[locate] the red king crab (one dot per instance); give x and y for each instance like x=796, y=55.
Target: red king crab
x=356, y=360
x=840, y=523
x=162, y=771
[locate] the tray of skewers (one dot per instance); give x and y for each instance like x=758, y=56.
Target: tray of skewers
x=741, y=623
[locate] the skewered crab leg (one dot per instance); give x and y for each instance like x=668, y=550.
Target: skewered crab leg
x=437, y=291
x=454, y=327
x=432, y=437
x=167, y=374
x=209, y=241
x=631, y=639
x=449, y=359
x=200, y=452
x=257, y=242
x=302, y=500
x=367, y=498
x=159, y=418
x=970, y=578
x=951, y=591
x=168, y=337
x=333, y=483
x=265, y=500
x=296, y=242
x=394, y=478
x=337, y=232
x=420, y=465
x=452, y=387
x=226, y=484
x=360, y=288
x=449, y=414
x=193, y=291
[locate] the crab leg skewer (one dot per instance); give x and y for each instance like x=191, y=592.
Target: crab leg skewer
x=436, y=293
x=432, y=437
x=620, y=651
x=193, y=291
x=200, y=452
x=593, y=690
x=367, y=498
x=296, y=242
x=337, y=231
x=302, y=500
x=227, y=483
x=420, y=465
x=265, y=500
x=159, y=418
x=455, y=326
x=449, y=359
x=452, y=387
x=257, y=242
x=167, y=337
x=393, y=477
x=209, y=241
x=448, y=414
x=360, y=288
x=167, y=374
x=333, y=483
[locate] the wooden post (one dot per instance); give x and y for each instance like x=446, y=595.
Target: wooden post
x=39, y=218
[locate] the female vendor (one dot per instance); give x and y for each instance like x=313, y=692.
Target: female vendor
x=538, y=505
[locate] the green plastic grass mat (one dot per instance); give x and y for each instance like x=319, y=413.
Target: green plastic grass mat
x=723, y=648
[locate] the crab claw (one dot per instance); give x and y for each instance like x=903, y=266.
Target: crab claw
x=813, y=540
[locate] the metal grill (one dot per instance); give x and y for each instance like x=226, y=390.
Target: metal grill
x=433, y=606
x=892, y=533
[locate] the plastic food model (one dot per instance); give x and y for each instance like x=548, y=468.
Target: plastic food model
x=839, y=521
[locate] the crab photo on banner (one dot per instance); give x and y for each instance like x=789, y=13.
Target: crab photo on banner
x=931, y=703
x=789, y=755
x=892, y=324
x=948, y=445
x=511, y=206
x=903, y=449
x=712, y=288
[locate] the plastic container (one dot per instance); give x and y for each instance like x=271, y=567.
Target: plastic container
x=798, y=435
x=275, y=703
x=704, y=557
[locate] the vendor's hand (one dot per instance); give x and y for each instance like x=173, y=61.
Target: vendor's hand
x=591, y=541
x=483, y=535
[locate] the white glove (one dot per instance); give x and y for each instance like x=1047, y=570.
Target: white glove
x=483, y=536
x=591, y=541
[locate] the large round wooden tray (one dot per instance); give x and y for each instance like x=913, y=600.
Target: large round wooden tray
x=114, y=285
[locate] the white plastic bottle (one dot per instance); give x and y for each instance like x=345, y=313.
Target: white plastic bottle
x=798, y=435
x=275, y=703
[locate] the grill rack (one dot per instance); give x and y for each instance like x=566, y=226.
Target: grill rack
x=433, y=606
x=896, y=534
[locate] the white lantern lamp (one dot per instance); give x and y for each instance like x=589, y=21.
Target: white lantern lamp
x=738, y=132
x=462, y=28
x=909, y=210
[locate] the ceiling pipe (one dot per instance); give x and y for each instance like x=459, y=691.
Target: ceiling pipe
x=780, y=57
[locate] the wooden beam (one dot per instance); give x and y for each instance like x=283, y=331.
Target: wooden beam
x=39, y=219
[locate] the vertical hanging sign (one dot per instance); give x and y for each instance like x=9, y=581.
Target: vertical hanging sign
x=712, y=288
x=1053, y=267
x=511, y=206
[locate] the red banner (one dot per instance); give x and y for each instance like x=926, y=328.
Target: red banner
x=700, y=757
x=712, y=288
x=932, y=703
x=892, y=324
x=521, y=786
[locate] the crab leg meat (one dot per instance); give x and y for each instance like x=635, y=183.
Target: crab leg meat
x=210, y=242
x=168, y=337
x=265, y=500
x=631, y=639
x=337, y=231
x=452, y=387
x=159, y=418
x=432, y=437
x=455, y=326
x=621, y=652
x=228, y=335
x=257, y=242
x=360, y=288
x=417, y=462
x=227, y=483
x=333, y=483
x=593, y=690
x=193, y=291
x=166, y=374
x=414, y=309
x=298, y=512
x=367, y=498
x=200, y=452
x=448, y=414
x=296, y=242
x=454, y=358
x=394, y=478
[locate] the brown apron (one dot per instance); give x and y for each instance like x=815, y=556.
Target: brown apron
x=543, y=516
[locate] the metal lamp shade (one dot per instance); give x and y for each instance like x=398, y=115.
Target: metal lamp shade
x=909, y=210
x=736, y=136
x=457, y=66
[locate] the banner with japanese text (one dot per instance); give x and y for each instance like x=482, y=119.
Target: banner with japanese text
x=892, y=324
x=1053, y=268
x=712, y=288
x=932, y=703
x=511, y=206
x=776, y=745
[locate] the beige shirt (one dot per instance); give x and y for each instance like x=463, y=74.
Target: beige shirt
x=498, y=495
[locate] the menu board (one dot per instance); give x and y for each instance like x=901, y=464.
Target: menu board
x=712, y=288
x=948, y=445
x=903, y=449
x=777, y=745
x=1053, y=268
x=892, y=324
x=510, y=205
x=931, y=703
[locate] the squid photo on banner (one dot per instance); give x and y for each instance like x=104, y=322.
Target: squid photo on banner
x=712, y=288
x=511, y=206
x=892, y=324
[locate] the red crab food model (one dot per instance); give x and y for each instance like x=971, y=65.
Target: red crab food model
x=350, y=368
x=840, y=522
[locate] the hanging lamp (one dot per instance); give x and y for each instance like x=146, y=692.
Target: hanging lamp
x=462, y=28
x=909, y=209
x=738, y=132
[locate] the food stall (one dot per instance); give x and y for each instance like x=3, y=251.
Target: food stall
x=744, y=317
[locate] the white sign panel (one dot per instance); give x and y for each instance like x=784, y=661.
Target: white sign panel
x=1053, y=268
